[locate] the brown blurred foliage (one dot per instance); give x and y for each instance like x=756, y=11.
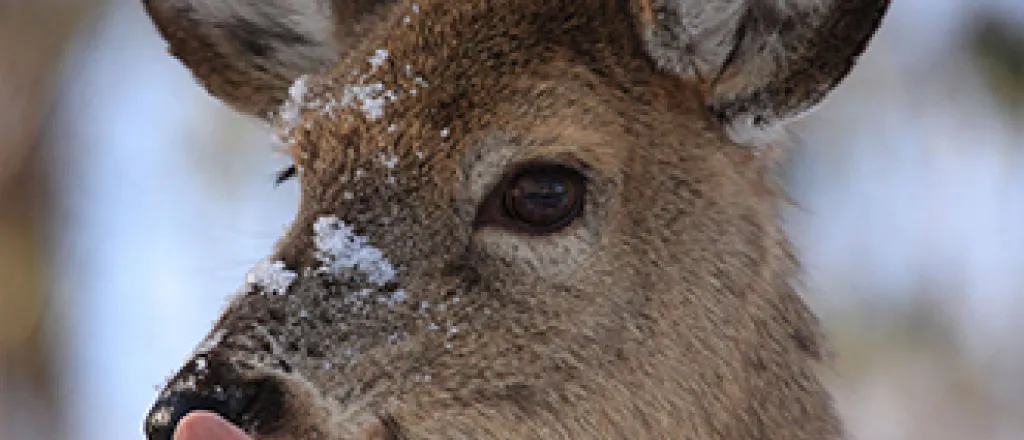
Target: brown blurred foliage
x=34, y=35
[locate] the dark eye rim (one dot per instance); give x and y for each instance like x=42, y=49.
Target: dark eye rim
x=493, y=212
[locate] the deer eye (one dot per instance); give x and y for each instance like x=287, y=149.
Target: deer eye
x=546, y=198
x=537, y=199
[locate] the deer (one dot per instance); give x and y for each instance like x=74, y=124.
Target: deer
x=519, y=219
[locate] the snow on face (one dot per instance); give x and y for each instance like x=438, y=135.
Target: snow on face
x=369, y=98
x=271, y=276
x=338, y=248
x=359, y=93
x=378, y=58
x=291, y=109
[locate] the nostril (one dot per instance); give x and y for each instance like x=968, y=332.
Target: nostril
x=251, y=404
x=167, y=412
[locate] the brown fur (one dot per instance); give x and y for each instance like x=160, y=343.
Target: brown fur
x=664, y=311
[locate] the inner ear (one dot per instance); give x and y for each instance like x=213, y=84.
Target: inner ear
x=761, y=62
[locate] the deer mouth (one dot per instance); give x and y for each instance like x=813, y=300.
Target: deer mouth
x=264, y=398
x=261, y=408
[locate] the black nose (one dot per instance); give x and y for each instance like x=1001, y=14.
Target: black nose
x=168, y=411
x=243, y=402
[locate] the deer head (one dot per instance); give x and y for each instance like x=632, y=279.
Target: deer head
x=519, y=219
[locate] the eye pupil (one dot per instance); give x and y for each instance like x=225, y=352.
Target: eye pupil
x=546, y=199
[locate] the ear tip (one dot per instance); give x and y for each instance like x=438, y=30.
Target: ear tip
x=769, y=61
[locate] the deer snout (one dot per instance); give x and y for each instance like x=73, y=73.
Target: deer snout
x=165, y=415
x=248, y=403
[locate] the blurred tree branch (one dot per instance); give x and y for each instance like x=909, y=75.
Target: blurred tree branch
x=997, y=44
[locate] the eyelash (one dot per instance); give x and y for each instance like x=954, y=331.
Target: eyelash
x=286, y=174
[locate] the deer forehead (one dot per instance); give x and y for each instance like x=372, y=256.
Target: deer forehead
x=401, y=146
x=415, y=191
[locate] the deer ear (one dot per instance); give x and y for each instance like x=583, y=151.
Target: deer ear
x=762, y=62
x=247, y=53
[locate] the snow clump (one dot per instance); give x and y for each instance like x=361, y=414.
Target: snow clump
x=339, y=247
x=272, y=276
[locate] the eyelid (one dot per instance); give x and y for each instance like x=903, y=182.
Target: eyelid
x=519, y=167
x=489, y=160
x=491, y=209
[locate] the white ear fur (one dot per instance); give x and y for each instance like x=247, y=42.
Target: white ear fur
x=763, y=62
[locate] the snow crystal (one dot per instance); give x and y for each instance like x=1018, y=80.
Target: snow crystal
x=378, y=58
x=211, y=342
x=162, y=416
x=359, y=296
x=338, y=247
x=291, y=110
x=399, y=296
x=271, y=276
x=389, y=161
x=370, y=98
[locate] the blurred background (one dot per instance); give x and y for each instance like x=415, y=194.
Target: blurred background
x=131, y=205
